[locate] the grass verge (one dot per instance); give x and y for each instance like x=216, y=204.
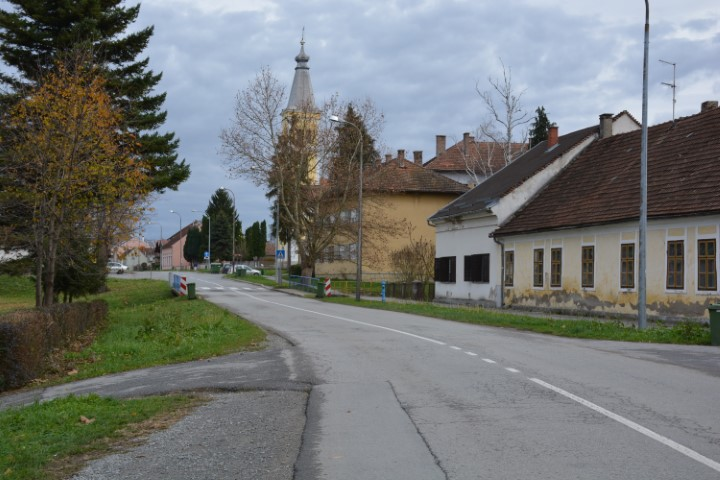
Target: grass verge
x=686, y=333
x=53, y=440
x=17, y=292
x=148, y=326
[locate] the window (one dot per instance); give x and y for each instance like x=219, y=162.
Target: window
x=707, y=276
x=675, y=277
x=477, y=268
x=588, y=267
x=445, y=269
x=509, y=268
x=555, y=267
x=538, y=255
x=627, y=265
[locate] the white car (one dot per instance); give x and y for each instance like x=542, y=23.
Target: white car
x=248, y=270
x=116, y=267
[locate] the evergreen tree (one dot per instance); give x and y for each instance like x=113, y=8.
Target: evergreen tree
x=347, y=152
x=220, y=212
x=255, y=240
x=34, y=34
x=539, y=127
x=193, y=248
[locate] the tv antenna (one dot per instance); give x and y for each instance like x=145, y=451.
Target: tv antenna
x=671, y=85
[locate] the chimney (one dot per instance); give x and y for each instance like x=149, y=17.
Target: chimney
x=709, y=105
x=466, y=137
x=401, y=157
x=417, y=157
x=606, y=125
x=552, y=136
x=439, y=145
x=388, y=157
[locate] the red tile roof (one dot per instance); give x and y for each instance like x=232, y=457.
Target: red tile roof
x=403, y=176
x=602, y=185
x=455, y=158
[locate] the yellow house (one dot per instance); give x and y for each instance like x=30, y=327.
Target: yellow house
x=398, y=197
x=575, y=247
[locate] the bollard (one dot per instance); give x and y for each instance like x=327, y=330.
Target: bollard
x=382, y=290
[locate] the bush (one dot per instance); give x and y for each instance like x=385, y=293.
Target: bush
x=28, y=337
x=295, y=270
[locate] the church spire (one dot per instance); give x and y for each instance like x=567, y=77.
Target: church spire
x=301, y=93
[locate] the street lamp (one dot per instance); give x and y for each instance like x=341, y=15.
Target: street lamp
x=179, y=233
x=358, y=275
x=233, y=225
x=209, y=256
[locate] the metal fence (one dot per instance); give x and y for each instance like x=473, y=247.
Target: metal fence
x=422, y=292
x=306, y=284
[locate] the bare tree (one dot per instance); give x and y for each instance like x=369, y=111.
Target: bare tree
x=293, y=158
x=507, y=115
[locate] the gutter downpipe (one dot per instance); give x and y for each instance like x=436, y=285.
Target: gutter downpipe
x=500, y=303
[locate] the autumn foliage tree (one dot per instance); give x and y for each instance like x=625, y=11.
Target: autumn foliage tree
x=69, y=167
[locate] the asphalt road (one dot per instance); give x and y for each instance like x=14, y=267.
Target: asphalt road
x=406, y=397
x=363, y=394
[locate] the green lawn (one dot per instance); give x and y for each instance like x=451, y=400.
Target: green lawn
x=688, y=333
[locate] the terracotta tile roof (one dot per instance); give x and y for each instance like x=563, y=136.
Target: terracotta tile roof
x=602, y=185
x=507, y=179
x=403, y=176
x=454, y=158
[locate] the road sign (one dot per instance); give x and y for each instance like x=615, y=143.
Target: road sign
x=280, y=254
x=207, y=255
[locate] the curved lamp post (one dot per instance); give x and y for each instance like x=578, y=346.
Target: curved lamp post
x=358, y=280
x=179, y=233
x=233, y=225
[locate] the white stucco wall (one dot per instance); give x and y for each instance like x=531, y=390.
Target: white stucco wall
x=470, y=237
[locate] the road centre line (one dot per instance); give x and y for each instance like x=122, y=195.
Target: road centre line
x=629, y=423
x=622, y=420
x=512, y=370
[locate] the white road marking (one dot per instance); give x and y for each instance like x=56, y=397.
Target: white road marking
x=629, y=423
x=512, y=370
x=639, y=428
x=471, y=354
x=456, y=348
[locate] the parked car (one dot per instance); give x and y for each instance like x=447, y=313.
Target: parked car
x=248, y=270
x=116, y=267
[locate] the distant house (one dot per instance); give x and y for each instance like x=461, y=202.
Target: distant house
x=575, y=246
x=172, y=249
x=403, y=194
x=469, y=263
x=134, y=253
x=469, y=161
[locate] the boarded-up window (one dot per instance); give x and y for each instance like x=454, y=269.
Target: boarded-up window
x=445, y=269
x=477, y=268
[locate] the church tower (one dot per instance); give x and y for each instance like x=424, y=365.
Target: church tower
x=301, y=111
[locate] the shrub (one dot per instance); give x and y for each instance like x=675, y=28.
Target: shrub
x=28, y=337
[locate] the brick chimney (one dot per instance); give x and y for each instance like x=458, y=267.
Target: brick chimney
x=709, y=105
x=439, y=145
x=417, y=157
x=401, y=158
x=388, y=157
x=466, y=138
x=552, y=136
x=606, y=126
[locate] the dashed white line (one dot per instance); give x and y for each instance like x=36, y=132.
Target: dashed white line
x=629, y=423
x=455, y=348
x=487, y=360
x=512, y=370
x=472, y=354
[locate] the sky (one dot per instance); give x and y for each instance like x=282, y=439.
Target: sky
x=421, y=63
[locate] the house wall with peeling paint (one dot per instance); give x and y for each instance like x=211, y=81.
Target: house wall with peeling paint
x=606, y=296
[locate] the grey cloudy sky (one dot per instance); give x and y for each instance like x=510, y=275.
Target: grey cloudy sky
x=419, y=61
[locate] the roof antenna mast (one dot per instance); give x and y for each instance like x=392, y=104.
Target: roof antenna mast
x=671, y=85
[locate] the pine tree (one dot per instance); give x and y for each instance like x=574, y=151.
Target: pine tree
x=539, y=128
x=35, y=33
x=221, y=212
